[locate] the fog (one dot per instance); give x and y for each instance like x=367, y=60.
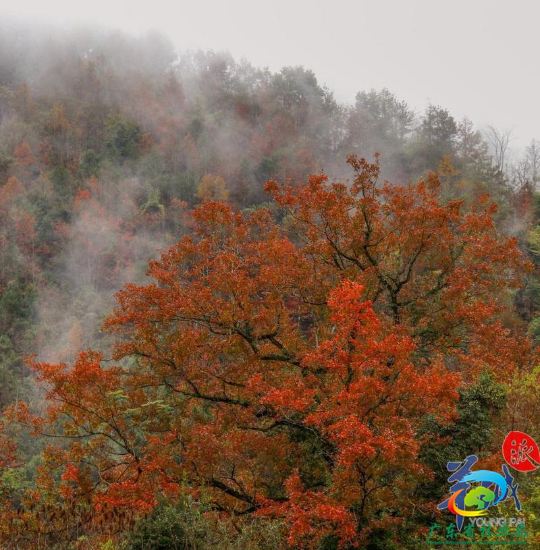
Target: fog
x=476, y=58
x=252, y=119
x=329, y=343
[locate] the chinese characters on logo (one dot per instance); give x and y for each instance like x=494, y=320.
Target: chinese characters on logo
x=474, y=492
x=521, y=452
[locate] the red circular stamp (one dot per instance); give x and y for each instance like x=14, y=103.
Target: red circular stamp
x=521, y=451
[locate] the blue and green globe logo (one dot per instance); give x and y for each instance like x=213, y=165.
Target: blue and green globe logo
x=480, y=497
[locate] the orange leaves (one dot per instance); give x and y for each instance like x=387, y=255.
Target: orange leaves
x=12, y=189
x=312, y=516
x=349, y=309
x=8, y=449
x=23, y=154
x=71, y=473
x=425, y=264
x=296, y=399
x=286, y=369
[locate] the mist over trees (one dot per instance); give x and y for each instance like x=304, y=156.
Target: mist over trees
x=226, y=402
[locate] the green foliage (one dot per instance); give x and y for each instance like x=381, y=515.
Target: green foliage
x=184, y=186
x=379, y=122
x=534, y=330
x=436, y=137
x=5, y=162
x=49, y=210
x=531, y=510
x=122, y=139
x=266, y=169
x=90, y=164
x=153, y=203
x=184, y=526
x=59, y=176
x=13, y=482
x=247, y=125
x=439, y=129
x=17, y=307
x=10, y=364
x=169, y=527
x=479, y=407
x=196, y=128
x=533, y=240
x=152, y=168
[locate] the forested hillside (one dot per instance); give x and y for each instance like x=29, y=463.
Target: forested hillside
x=300, y=356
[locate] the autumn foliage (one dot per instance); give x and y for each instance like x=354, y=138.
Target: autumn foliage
x=283, y=361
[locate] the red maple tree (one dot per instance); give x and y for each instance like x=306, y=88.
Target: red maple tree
x=284, y=360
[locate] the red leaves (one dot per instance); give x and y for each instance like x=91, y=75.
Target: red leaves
x=8, y=450
x=424, y=264
x=71, y=473
x=312, y=516
x=287, y=369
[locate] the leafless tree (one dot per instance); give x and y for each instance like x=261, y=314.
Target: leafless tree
x=526, y=172
x=521, y=175
x=532, y=157
x=499, y=140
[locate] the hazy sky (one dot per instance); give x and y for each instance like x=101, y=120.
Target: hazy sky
x=478, y=58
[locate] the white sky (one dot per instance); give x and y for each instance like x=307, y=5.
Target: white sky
x=478, y=57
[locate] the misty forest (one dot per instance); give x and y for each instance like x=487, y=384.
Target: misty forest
x=239, y=314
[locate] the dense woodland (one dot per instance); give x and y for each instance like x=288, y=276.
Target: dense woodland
x=221, y=327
